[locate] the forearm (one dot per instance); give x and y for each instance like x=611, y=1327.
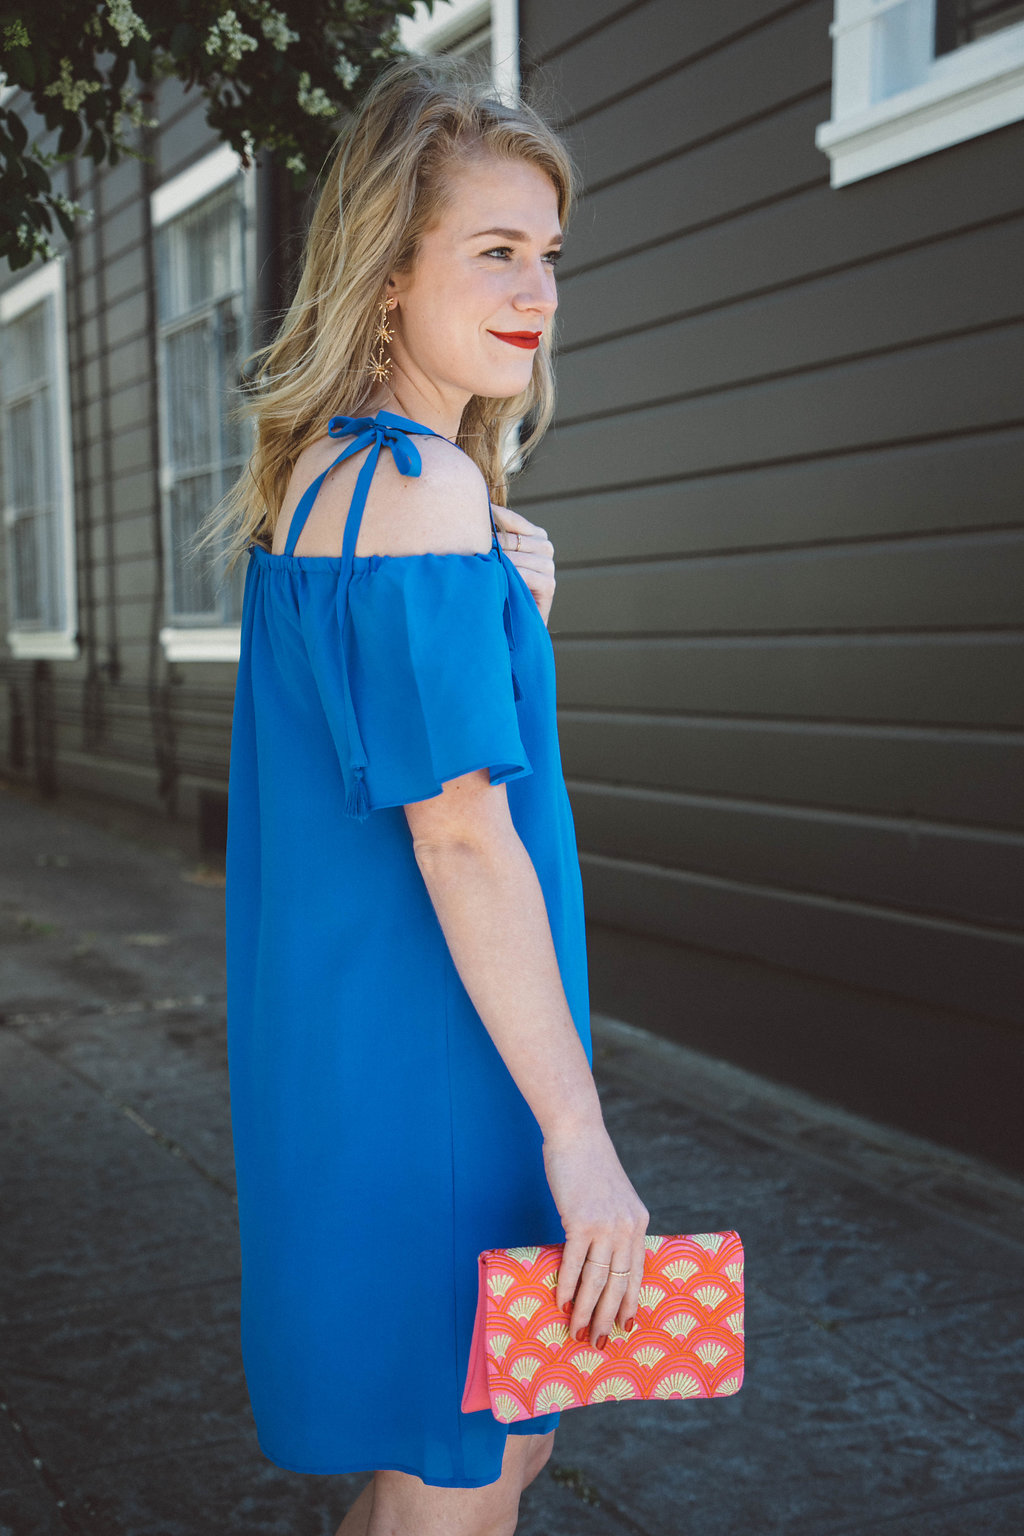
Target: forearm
x=492, y=911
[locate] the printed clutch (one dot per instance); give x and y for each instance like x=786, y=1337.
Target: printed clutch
x=687, y=1340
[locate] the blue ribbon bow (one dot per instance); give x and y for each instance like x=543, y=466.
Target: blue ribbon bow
x=367, y=430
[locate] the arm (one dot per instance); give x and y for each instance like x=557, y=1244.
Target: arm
x=491, y=907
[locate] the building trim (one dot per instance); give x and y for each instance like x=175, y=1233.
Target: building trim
x=212, y=643
x=893, y=100
x=194, y=183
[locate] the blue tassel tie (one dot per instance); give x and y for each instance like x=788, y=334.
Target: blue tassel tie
x=357, y=801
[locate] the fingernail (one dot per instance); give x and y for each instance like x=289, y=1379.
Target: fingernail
x=602, y=1341
x=567, y=1309
x=581, y=1336
x=628, y=1323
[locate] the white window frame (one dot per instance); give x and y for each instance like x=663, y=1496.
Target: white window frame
x=426, y=33
x=893, y=100
x=221, y=642
x=46, y=284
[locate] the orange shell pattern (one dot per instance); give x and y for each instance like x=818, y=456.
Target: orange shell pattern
x=687, y=1340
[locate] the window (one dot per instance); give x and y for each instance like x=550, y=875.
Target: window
x=913, y=76
x=203, y=223
x=484, y=30
x=39, y=517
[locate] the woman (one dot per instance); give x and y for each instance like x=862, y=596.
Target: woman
x=408, y=1025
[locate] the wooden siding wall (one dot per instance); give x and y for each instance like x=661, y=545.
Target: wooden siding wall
x=784, y=487
x=121, y=721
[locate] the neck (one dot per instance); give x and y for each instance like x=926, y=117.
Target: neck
x=403, y=398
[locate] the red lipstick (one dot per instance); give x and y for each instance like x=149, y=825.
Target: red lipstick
x=529, y=339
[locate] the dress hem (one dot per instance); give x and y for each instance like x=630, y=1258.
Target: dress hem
x=335, y=1471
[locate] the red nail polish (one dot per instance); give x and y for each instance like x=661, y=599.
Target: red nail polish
x=581, y=1336
x=629, y=1323
x=567, y=1309
x=602, y=1341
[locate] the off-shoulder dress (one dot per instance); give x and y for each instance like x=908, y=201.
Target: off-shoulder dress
x=380, y=1140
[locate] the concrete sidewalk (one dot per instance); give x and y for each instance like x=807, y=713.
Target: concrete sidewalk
x=884, y=1284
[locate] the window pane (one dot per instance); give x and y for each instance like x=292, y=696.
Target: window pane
x=25, y=360
x=193, y=403
x=200, y=255
x=34, y=567
x=192, y=575
x=30, y=470
x=962, y=21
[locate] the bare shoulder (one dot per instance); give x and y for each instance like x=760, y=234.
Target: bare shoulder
x=442, y=510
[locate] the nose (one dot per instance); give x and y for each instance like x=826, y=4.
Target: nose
x=539, y=293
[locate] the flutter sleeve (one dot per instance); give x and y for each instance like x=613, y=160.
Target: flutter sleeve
x=431, y=685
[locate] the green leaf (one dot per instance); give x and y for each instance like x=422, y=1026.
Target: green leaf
x=70, y=136
x=18, y=131
x=36, y=176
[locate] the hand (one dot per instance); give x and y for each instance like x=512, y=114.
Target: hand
x=605, y=1220
x=534, y=559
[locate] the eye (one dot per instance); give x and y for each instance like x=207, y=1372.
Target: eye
x=506, y=250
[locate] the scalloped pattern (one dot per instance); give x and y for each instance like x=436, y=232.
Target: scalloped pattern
x=687, y=1341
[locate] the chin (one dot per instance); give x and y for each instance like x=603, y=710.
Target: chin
x=503, y=388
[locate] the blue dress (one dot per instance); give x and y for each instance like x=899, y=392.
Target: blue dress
x=380, y=1140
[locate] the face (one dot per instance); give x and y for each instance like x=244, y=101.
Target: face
x=486, y=270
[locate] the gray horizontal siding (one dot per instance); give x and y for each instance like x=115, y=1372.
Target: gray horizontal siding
x=783, y=486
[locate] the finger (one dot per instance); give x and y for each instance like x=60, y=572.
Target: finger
x=516, y=520
x=610, y=1301
x=631, y=1299
x=570, y=1269
x=588, y=1292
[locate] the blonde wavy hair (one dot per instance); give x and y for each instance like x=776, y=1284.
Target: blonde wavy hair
x=387, y=185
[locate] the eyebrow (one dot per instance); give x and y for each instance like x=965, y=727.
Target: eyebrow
x=512, y=234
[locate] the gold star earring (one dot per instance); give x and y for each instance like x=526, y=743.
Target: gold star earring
x=380, y=366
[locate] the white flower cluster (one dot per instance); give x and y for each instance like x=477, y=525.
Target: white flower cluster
x=347, y=72
x=131, y=111
x=275, y=28
x=71, y=92
x=227, y=38
x=73, y=210
x=125, y=22
x=296, y=163
x=34, y=240
x=313, y=98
